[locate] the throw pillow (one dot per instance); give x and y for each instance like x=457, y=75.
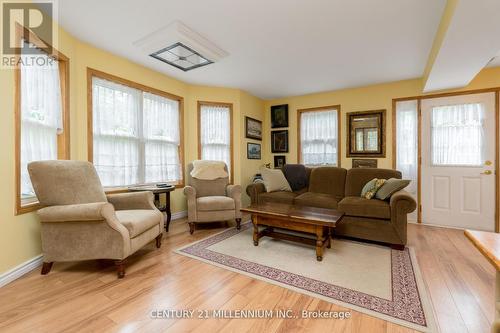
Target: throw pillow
x=371, y=188
x=296, y=175
x=274, y=180
x=391, y=186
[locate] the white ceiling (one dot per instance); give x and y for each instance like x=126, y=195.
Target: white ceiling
x=469, y=44
x=276, y=47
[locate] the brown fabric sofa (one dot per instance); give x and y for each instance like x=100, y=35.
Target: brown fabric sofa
x=80, y=222
x=337, y=188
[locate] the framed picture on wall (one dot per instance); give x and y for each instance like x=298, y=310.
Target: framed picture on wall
x=253, y=128
x=279, y=161
x=279, y=116
x=364, y=162
x=253, y=151
x=279, y=141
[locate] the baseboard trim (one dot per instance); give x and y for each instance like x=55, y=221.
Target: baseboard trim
x=179, y=215
x=20, y=270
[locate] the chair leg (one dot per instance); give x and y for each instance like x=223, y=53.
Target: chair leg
x=191, y=227
x=238, y=223
x=46, y=267
x=120, y=268
x=158, y=241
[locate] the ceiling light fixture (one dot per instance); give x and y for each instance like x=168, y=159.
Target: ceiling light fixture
x=181, y=56
x=179, y=46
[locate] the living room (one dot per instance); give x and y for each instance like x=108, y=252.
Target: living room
x=221, y=166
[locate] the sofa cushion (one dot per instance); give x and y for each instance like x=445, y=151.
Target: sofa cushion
x=274, y=180
x=214, y=203
x=207, y=187
x=371, y=188
x=328, y=180
x=391, y=186
x=356, y=178
x=357, y=206
x=279, y=196
x=138, y=220
x=296, y=175
x=320, y=200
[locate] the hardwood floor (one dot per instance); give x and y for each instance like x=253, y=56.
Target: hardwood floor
x=87, y=297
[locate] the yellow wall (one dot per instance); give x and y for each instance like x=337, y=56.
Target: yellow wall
x=19, y=235
x=252, y=107
x=360, y=99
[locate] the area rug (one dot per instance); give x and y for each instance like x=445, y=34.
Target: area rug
x=364, y=277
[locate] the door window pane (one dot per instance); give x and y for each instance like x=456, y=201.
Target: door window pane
x=457, y=135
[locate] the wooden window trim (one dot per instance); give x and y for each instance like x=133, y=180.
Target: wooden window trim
x=90, y=133
x=231, y=144
x=63, y=140
x=319, y=109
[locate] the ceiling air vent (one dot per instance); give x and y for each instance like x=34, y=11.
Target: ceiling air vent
x=181, y=47
x=181, y=56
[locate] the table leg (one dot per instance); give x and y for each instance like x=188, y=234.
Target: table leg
x=169, y=212
x=496, y=322
x=329, y=239
x=255, y=231
x=157, y=200
x=319, y=243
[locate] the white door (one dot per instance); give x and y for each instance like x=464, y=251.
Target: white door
x=458, y=161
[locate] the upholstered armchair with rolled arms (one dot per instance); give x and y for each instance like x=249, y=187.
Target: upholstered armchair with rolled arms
x=212, y=200
x=79, y=222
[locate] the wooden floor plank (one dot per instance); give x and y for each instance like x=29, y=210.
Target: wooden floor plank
x=85, y=296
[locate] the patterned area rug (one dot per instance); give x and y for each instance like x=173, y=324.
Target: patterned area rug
x=364, y=277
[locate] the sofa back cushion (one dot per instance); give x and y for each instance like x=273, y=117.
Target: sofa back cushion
x=205, y=188
x=65, y=182
x=328, y=180
x=358, y=177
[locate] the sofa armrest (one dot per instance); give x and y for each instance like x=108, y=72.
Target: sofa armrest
x=90, y=221
x=190, y=193
x=403, y=202
x=96, y=211
x=253, y=191
x=234, y=192
x=132, y=200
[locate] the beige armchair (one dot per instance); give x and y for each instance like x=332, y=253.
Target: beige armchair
x=212, y=200
x=79, y=222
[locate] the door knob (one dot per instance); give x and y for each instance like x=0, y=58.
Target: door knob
x=487, y=172
x=488, y=163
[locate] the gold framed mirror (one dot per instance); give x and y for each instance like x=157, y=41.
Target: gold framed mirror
x=366, y=134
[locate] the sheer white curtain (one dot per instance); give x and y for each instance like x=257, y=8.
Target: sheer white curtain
x=117, y=132
x=161, y=139
x=215, y=133
x=407, y=142
x=41, y=115
x=457, y=134
x=319, y=137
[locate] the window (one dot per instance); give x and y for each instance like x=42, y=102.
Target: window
x=42, y=132
x=457, y=134
x=318, y=136
x=407, y=142
x=136, y=133
x=215, y=133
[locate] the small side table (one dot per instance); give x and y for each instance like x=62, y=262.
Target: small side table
x=157, y=191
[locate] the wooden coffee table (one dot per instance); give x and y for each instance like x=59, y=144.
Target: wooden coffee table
x=311, y=220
